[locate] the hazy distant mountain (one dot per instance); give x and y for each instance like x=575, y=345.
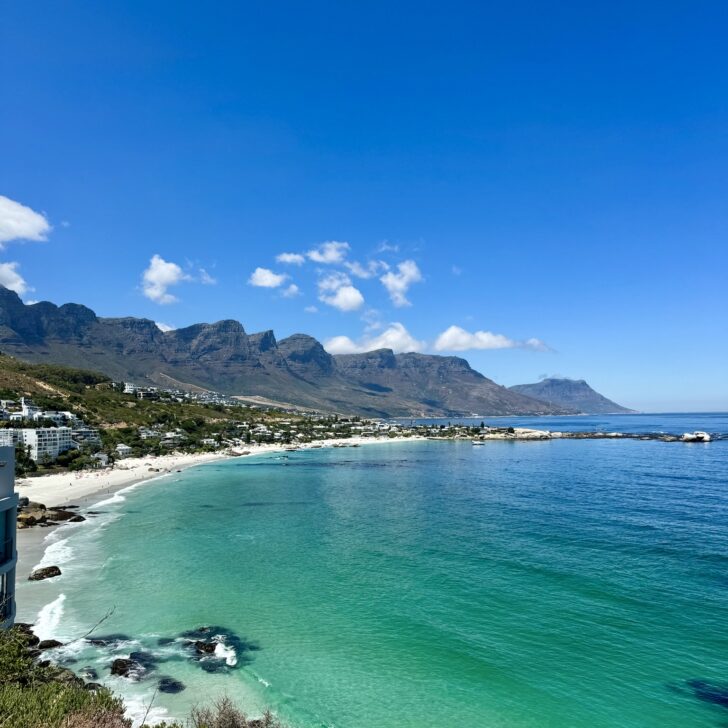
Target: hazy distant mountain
x=570, y=393
x=223, y=357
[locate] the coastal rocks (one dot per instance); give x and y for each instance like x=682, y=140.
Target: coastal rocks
x=49, y=644
x=122, y=667
x=26, y=630
x=134, y=666
x=108, y=640
x=170, y=685
x=205, y=648
x=88, y=673
x=36, y=514
x=47, y=572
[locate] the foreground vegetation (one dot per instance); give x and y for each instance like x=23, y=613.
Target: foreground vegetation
x=37, y=694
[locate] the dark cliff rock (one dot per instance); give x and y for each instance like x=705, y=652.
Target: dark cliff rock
x=222, y=356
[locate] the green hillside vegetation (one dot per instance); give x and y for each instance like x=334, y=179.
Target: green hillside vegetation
x=118, y=416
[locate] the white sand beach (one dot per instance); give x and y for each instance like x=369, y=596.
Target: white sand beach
x=57, y=489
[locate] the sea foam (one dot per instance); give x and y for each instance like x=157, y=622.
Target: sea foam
x=49, y=617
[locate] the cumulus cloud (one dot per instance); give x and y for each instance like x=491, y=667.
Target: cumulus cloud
x=346, y=298
x=291, y=258
x=291, y=291
x=456, y=338
x=311, y=309
x=398, y=283
x=163, y=327
x=395, y=337
x=265, y=278
x=10, y=278
x=335, y=290
x=18, y=222
x=159, y=277
x=328, y=253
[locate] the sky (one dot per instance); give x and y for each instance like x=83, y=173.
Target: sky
x=541, y=188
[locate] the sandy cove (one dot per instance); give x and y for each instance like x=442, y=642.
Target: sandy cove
x=82, y=488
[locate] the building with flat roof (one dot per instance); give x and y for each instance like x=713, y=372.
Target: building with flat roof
x=47, y=443
x=8, y=550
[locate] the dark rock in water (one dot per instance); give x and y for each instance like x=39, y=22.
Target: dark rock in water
x=164, y=641
x=76, y=519
x=49, y=644
x=205, y=648
x=715, y=693
x=44, y=663
x=60, y=514
x=170, y=685
x=122, y=667
x=108, y=639
x=88, y=673
x=48, y=572
x=93, y=686
x=145, y=660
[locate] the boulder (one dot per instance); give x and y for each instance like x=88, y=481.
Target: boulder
x=122, y=667
x=60, y=514
x=76, y=519
x=92, y=686
x=170, y=685
x=205, y=648
x=47, y=572
x=49, y=644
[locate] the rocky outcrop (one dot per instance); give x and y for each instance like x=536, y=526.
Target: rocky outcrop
x=47, y=572
x=122, y=666
x=36, y=514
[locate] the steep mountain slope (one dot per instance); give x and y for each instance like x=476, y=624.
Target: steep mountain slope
x=223, y=357
x=571, y=393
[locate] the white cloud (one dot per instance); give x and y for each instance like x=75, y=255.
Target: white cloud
x=346, y=298
x=385, y=247
x=159, y=276
x=18, y=222
x=264, y=278
x=292, y=291
x=206, y=279
x=329, y=252
x=372, y=268
x=163, y=327
x=395, y=337
x=291, y=258
x=335, y=289
x=311, y=309
x=333, y=281
x=10, y=278
x=456, y=338
x=397, y=284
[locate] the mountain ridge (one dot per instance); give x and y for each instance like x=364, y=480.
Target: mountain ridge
x=571, y=393
x=222, y=356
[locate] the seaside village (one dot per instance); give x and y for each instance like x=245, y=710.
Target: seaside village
x=49, y=439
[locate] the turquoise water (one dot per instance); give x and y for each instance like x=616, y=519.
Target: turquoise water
x=562, y=583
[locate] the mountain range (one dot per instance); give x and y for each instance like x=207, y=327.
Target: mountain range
x=221, y=356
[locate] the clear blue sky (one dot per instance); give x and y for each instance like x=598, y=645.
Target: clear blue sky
x=549, y=171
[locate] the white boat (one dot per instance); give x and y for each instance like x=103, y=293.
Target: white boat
x=697, y=436
x=478, y=442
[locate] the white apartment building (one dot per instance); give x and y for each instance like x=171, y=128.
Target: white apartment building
x=8, y=551
x=47, y=443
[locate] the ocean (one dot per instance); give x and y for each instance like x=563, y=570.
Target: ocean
x=558, y=583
